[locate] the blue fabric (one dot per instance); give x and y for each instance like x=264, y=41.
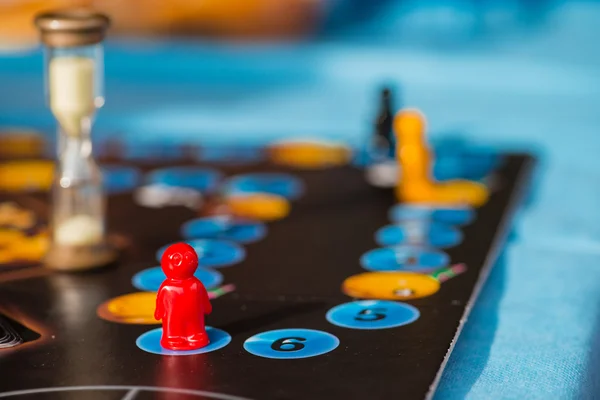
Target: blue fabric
x=525, y=79
x=531, y=332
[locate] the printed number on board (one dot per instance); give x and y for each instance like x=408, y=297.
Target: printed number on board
x=288, y=344
x=291, y=343
x=371, y=314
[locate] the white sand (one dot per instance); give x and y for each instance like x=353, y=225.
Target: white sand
x=71, y=91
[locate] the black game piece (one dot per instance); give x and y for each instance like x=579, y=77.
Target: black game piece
x=384, y=136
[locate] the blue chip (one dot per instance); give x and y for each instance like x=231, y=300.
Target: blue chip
x=280, y=184
x=404, y=258
x=448, y=168
x=150, y=342
x=478, y=165
x=372, y=314
x=371, y=154
x=457, y=160
x=363, y=157
x=447, y=215
x=454, y=216
x=419, y=233
x=231, y=154
x=201, y=179
x=213, y=253
x=150, y=279
x=224, y=227
x=291, y=343
x=120, y=179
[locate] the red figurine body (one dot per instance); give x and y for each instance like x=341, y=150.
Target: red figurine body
x=182, y=300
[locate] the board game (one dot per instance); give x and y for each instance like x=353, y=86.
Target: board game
x=323, y=285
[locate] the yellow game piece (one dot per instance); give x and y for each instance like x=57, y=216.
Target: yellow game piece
x=309, y=154
x=390, y=285
x=18, y=176
x=261, y=206
x=133, y=308
x=415, y=183
x=461, y=192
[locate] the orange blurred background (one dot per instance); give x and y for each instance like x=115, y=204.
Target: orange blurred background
x=230, y=19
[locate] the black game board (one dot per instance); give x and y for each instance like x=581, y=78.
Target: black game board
x=289, y=279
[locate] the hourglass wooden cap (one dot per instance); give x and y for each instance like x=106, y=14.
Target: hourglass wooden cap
x=72, y=28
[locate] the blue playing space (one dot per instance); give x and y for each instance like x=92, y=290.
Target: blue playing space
x=489, y=81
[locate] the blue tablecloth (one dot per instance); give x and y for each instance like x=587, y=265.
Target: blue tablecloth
x=534, y=331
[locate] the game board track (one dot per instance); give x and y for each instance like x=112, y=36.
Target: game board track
x=281, y=284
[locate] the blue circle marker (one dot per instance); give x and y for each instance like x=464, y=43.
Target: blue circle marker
x=404, y=258
x=280, y=184
x=150, y=279
x=447, y=168
x=120, y=179
x=363, y=156
x=457, y=159
x=478, y=164
x=291, y=343
x=231, y=154
x=212, y=253
x=224, y=227
x=201, y=179
x=372, y=314
x=448, y=215
x=150, y=342
x=421, y=233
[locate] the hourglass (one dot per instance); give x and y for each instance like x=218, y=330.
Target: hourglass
x=74, y=91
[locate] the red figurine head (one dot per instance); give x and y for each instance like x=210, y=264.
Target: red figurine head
x=179, y=261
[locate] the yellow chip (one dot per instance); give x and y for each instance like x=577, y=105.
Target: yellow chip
x=310, y=154
x=390, y=285
x=133, y=308
x=261, y=206
x=19, y=176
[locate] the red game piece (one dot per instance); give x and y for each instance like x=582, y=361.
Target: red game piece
x=182, y=300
